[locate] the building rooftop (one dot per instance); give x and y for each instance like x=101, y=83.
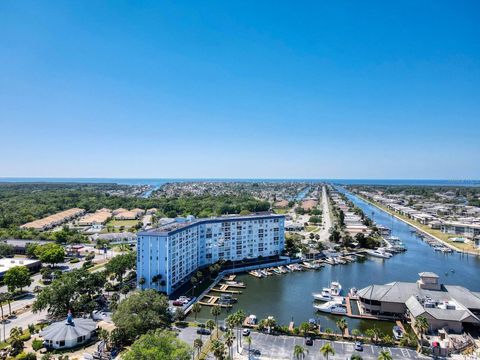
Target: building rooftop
x=169, y=228
x=6, y=263
x=446, y=310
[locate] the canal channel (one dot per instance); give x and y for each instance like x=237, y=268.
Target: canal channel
x=288, y=297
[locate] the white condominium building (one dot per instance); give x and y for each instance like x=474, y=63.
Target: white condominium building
x=168, y=255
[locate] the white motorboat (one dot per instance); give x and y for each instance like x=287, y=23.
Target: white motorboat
x=397, y=332
x=379, y=254
x=335, y=288
x=325, y=295
x=353, y=293
x=332, y=307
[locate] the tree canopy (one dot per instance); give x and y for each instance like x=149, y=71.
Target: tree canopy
x=159, y=345
x=50, y=253
x=17, y=277
x=140, y=312
x=76, y=290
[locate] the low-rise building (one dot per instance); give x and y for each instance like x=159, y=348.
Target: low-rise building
x=53, y=220
x=445, y=306
x=469, y=230
x=8, y=263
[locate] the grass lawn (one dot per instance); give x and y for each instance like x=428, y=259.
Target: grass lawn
x=124, y=223
x=280, y=211
x=427, y=229
x=312, y=228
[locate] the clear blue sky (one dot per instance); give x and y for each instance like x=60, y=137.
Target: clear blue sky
x=268, y=89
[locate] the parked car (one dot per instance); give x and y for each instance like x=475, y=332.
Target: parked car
x=245, y=332
x=202, y=331
x=309, y=341
x=256, y=352
x=358, y=346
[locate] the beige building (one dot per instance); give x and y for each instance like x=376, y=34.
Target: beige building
x=53, y=220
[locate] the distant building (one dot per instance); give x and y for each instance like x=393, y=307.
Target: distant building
x=174, y=251
x=99, y=217
x=457, y=228
x=53, y=220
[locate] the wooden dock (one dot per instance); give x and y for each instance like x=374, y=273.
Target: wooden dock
x=210, y=300
x=225, y=289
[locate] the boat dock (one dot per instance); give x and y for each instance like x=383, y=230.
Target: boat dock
x=224, y=288
x=210, y=300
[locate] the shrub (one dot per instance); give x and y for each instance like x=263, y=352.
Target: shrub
x=25, y=336
x=26, y=356
x=74, y=260
x=37, y=344
x=31, y=328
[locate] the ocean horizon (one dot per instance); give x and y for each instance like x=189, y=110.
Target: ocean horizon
x=160, y=181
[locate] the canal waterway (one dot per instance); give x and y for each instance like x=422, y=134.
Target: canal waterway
x=289, y=297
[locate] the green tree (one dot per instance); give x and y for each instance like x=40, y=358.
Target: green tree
x=210, y=325
x=50, y=253
x=385, y=355
x=17, y=277
x=196, y=308
x=218, y=349
x=6, y=250
x=342, y=325
x=299, y=352
x=76, y=290
x=16, y=341
x=356, y=357
x=158, y=345
x=327, y=350
x=216, y=311
x=140, y=312
x=421, y=327
x=356, y=333
x=304, y=328
x=120, y=264
x=229, y=338
x=197, y=345
x=248, y=340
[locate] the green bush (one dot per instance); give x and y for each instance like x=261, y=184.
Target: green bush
x=74, y=260
x=26, y=356
x=37, y=344
x=25, y=336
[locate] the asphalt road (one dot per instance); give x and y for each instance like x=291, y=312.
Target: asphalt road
x=326, y=217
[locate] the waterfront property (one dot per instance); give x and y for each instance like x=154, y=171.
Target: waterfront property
x=169, y=254
x=445, y=306
x=469, y=230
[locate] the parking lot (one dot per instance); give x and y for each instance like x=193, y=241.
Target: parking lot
x=281, y=347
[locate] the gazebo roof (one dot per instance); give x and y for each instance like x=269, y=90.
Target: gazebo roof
x=68, y=330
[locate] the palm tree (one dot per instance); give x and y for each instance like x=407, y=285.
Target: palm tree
x=270, y=323
x=198, y=344
x=329, y=332
x=196, y=308
x=229, y=337
x=218, y=349
x=299, y=352
x=215, y=311
x=356, y=333
x=248, y=339
x=8, y=298
x=239, y=319
x=327, y=350
x=342, y=325
x=385, y=355
x=356, y=357
x=421, y=326
x=210, y=324
x=304, y=328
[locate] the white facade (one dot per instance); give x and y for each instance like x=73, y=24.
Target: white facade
x=172, y=252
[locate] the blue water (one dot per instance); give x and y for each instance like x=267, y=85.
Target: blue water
x=161, y=181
